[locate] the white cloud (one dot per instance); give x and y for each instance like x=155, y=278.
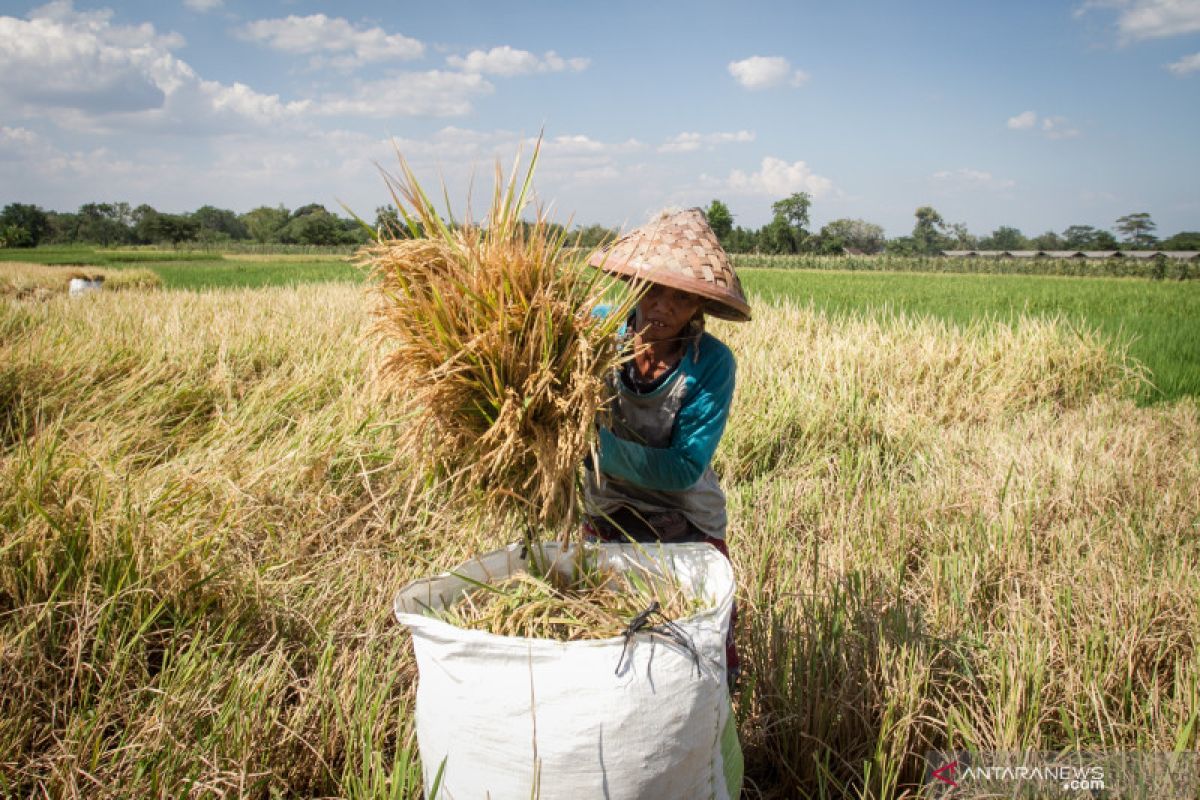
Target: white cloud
x=433, y=93
x=604, y=174
x=575, y=144
x=79, y=68
x=203, y=5
x=508, y=61
x=96, y=170
x=243, y=101
x=58, y=58
x=1186, y=65
x=1052, y=127
x=764, y=72
x=15, y=138
x=966, y=178
x=1159, y=19
x=778, y=178
x=689, y=142
x=577, y=159
x=567, y=161
x=1058, y=128
x=1138, y=20
x=1022, y=121
x=460, y=145
x=331, y=40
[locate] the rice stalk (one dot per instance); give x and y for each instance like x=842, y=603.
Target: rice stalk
x=495, y=347
x=591, y=602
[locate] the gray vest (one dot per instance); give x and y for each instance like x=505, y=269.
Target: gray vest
x=650, y=420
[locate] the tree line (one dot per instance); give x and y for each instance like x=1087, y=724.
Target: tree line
x=109, y=224
x=114, y=224
x=788, y=232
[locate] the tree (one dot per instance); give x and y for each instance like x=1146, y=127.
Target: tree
x=14, y=236
x=311, y=208
x=928, y=232
x=1080, y=237
x=24, y=225
x=594, y=236
x=1005, y=238
x=265, y=224
x=902, y=246
x=219, y=224
x=353, y=231
x=742, y=240
x=1137, y=229
x=778, y=237
x=312, y=224
x=794, y=211
x=1184, y=240
x=960, y=238
x=105, y=223
x=388, y=223
x=720, y=220
x=856, y=234
x=63, y=227
x=152, y=227
x=1048, y=241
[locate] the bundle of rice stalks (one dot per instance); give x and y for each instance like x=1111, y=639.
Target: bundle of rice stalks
x=591, y=602
x=495, y=347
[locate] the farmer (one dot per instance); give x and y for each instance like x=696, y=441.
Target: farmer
x=654, y=480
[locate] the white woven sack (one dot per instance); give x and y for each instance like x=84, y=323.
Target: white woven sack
x=506, y=714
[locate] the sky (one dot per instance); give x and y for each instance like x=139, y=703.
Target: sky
x=1028, y=113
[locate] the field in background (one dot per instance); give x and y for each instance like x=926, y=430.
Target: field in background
x=198, y=269
x=1160, y=320
x=946, y=535
x=1124, y=267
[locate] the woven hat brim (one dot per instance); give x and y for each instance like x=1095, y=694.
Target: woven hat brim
x=720, y=304
x=679, y=249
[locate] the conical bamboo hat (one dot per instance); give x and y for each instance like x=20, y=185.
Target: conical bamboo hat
x=679, y=250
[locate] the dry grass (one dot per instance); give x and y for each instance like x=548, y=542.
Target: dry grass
x=495, y=348
x=22, y=280
x=204, y=528
x=957, y=538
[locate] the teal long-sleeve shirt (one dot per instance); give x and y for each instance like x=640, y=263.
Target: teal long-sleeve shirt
x=665, y=440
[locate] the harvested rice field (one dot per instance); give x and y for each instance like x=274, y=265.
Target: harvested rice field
x=945, y=534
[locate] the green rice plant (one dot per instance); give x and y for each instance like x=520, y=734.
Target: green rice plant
x=495, y=345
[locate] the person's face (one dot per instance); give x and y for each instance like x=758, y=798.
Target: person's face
x=664, y=311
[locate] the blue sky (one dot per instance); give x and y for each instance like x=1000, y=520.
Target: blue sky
x=1037, y=115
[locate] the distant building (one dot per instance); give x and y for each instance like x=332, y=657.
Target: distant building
x=1140, y=255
